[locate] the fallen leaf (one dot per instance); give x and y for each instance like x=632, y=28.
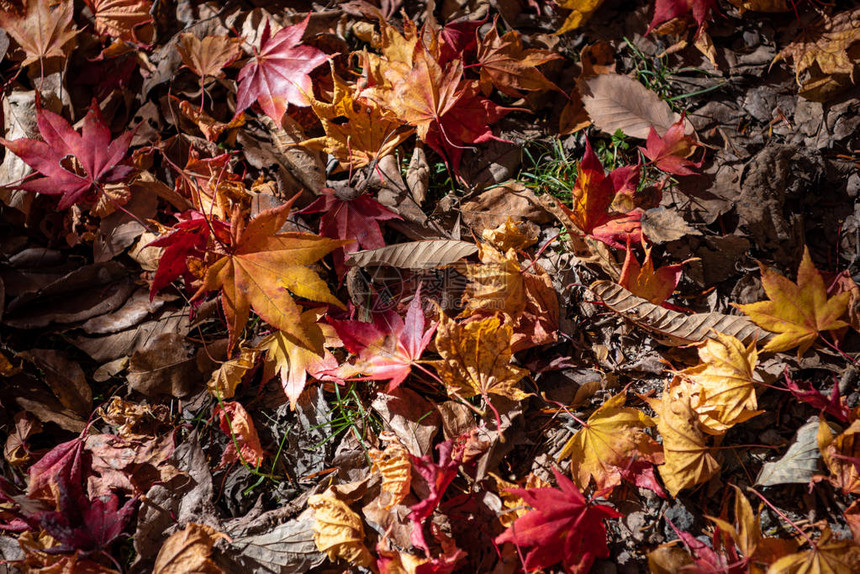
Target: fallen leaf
x=395, y=465
x=671, y=152
x=615, y=102
x=338, y=531
x=41, y=31
x=476, y=359
x=510, y=68
x=827, y=556
x=799, y=463
x=243, y=442
x=189, y=550
x=581, y=11
x=127, y=20
x=278, y=75
x=612, y=439
x=561, y=527
x=208, y=56
x=826, y=45
x=665, y=10
x=839, y=453
x=496, y=284
x=654, y=285
x=798, y=312
x=263, y=267
x=76, y=166
x=834, y=405
x=293, y=361
x=725, y=383
x=388, y=348
x=224, y=380
x=688, y=458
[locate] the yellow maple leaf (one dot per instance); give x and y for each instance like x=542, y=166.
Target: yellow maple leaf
x=476, y=358
x=581, y=11
x=612, y=436
x=357, y=130
x=395, y=466
x=224, y=380
x=495, y=284
x=724, y=383
x=338, y=531
x=688, y=458
x=800, y=311
x=827, y=556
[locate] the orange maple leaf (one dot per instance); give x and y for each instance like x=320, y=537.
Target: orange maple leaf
x=800, y=311
x=262, y=267
x=40, y=31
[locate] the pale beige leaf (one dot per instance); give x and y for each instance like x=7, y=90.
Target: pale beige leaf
x=617, y=102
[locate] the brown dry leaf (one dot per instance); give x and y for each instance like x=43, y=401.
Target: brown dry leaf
x=680, y=328
x=134, y=421
x=43, y=32
x=597, y=58
x=688, y=458
x=839, y=454
x=338, y=531
x=211, y=128
x=827, y=556
x=127, y=20
x=510, y=68
x=66, y=379
x=613, y=436
x=207, y=57
x=770, y=6
x=395, y=466
x=725, y=383
x=476, y=359
x=224, y=380
x=16, y=450
x=189, y=550
x=423, y=254
x=615, y=102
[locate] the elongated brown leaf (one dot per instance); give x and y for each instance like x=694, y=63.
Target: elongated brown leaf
x=617, y=102
x=415, y=254
x=691, y=328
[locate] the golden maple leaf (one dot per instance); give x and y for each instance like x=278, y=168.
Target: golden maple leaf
x=614, y=434
x=724, y=383
x=688, y=458
x=262, y=268
x=476, y=358
x=363, y=132
x=800, y=311
x=395, y=466
x=495, y=284
x=827, y=556
x=224, y=380
x=581, y=11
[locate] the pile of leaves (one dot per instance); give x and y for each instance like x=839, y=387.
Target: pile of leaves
x=401, y=287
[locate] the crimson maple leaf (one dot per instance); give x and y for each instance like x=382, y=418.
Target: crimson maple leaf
x=466, y=123
x=388, y=347
x=665, y=10
x=277, y=76
x=804, y=391
x=352, y=219
x=82, y=524
x=562, y=527
x=189, y=238
x=671, y=153
x=75, y=165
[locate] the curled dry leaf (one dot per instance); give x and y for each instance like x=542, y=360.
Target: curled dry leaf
x=338, y=531
x=681, y=328
x=189, y=550
x=395, y=465
x=243, y=442
x=688, y=458
x=224, y=380
x=841, y=453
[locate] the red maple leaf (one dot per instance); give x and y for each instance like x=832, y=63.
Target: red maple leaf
x=278, y=74
x=562, y=527
x=85, y=525
x=671, y=153
x=465, y=124
x=804, y=391
x=355, y=219
x=665, y=10
x=190, y=238
x=388, y=347
x=75, y=165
